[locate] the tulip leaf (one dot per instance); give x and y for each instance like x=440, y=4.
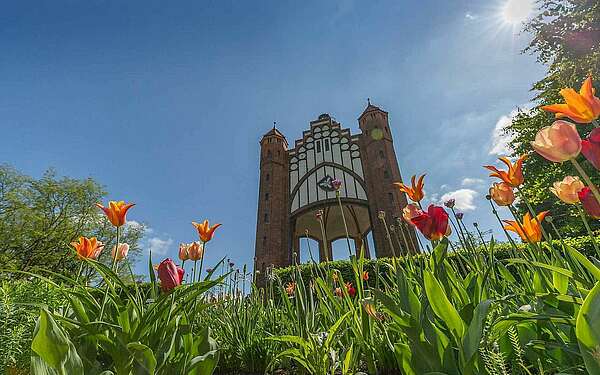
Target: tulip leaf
x=53, y=346
x=144, y=361
x=475, y=330
x=442, y=307
x=588, y=330
x=595, y=271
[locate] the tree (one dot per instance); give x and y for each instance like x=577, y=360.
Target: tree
x=566, y=38
x=39, y=218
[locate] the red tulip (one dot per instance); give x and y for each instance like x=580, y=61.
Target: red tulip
x=590, y=148
x=589, y=202
x=170, y=275
x=350, y=289
x=433, y=224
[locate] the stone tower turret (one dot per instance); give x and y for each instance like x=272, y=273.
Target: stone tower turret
x=381, y=170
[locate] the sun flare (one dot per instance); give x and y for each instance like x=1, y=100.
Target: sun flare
x=516, y=11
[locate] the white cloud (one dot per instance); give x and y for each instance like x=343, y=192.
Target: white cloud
x=158, y=245
x=470, y=16
x=464, y=199
x=468, y=181
x=135, y=225
x=500, y=140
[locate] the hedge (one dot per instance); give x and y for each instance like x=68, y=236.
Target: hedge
x=502, y=250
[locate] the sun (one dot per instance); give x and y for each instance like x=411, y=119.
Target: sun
x=516, y=11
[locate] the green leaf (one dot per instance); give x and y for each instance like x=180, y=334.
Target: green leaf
x=442, y=307
x=53, y=346
x=595, y=271
x=475, y=330
x=144, y=361
x=587, y=330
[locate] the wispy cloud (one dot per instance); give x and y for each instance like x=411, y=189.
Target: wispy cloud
x=470, y=16
x=465, y=199
x=158, y=245
x=468, y=181
x=500, y=139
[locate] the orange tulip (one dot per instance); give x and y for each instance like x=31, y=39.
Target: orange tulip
x=502, y=193
x=88, y=248
x=116, y=211
x=582, y=107
x=529, y=230
x=372, y=312
x=365, y=275
x=513, y=176
x=205, y=231
x=290, y=288
x=567, y=189
x=415, y=192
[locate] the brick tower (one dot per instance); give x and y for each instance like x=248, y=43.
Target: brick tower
x=272, y=218
x=381, y=170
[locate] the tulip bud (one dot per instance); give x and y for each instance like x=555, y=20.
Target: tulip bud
x=459, y=215
x=589, y=202
x=183, y=252
x=122, y=253
x=567, y=189
x=381, y=215
x=170, y=275
x=336, y=184
x=590, y=148
x=195, y=250
x=558, y=142
x=502, y=194
x=450, y=203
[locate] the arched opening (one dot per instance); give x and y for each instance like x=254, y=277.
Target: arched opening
x=308, y=247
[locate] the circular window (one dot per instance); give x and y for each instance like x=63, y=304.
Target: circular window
x=377, y=134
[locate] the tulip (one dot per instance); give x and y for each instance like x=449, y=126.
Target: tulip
x=590, y=148
x=567, y=190
x=183, y=252
x=195, y=251
x=350, y=289
x=433, y=224
x=336, y=184
x=410, y=212
x=370, y=310
x=205, y=231
x=88, y=248
x=338, y=292
x=582, y=107
x=170, y=275
x=558, y=142
x=365, y=275
x=589, y=202
x=459, y=215
x=513, y=176
x=529, y=230
x=450, y=203
x=290, y=288
x=502, y=194
x=415, y=192
x=121, y=253
x=116, y=211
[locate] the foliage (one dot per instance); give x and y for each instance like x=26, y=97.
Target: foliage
x=566, y=38
x=502, y=250
x=39, y=218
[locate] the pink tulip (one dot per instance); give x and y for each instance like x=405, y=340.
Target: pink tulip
x=589, y=202
x=567, y=190
x=590, y=148
x=170, y=275
x=122, y=253
x=558, y=142
x=195, y=251
x=183, y=252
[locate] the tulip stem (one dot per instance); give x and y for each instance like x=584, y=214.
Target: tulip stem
x=114, y=261
x=587, y=179
x=202, y=260
x=337, y=193
x=589, y=230
x=387, y=231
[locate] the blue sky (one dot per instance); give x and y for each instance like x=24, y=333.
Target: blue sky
x=164, y=104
